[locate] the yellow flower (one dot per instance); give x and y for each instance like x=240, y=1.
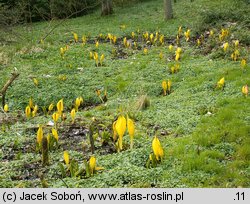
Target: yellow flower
x=157, y=148
x=122, y=27
x=114, y=39
x=120, y=129
x=110, y=37
x=84, y=39
x=145, y=36
x=173, y=69
x=78, y=102
x=177, y=56
x=98, y=92
x=59, y=106
x=75, y=37
x=131, y=130
x=198, y=42
x=35, y=81
x=145, y=51
x=243, y=63
x=164, y=87
x=176, y=67
x=225, y=46
x=97, y=44
x=36, y=108
x=178, y=50
x=245, y=90
x=55, y=116
x=211, y=33
x=101, y=36
x=96, y=58
x=187, y=34
x=62, y=77
x=34, y=112
x=177, y=40
x=6, y=108
x=55, y=134
x=51, y=106
x=91, y=55
x=73, y=114
x=220, y=37
x=27, y=111
x=161, y=39
x=30, y=103
x=92, y=164
x=66, y=157
x=131, y=127
x=235, y=55
x=133, y=34
x=121, y=126
x=169, y=86
x=236, y=43
x=151, y=37
x=125, y=42
x=221, y=83
x=135, y=45
x=170, y=47
x=62, y=51
x=224, y=34
x=156, y=36
x=102, y=59
x=179, y=31
x=39, y=135
x=161, y=55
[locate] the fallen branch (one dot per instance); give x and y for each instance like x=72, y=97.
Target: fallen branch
x=14, y=75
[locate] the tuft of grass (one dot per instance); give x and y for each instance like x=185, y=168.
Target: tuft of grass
x=204, y=131
x=143, y=102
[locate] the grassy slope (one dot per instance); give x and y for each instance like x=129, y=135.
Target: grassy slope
x=200, y=150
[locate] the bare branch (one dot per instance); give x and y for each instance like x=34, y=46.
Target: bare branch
x=14, y=75
x=61, y=22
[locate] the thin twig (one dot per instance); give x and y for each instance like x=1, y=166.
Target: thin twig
x=64, y=182
x=61, y=22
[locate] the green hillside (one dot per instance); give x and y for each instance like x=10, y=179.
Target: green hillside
x=202, y=123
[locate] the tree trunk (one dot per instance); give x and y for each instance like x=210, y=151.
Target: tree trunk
x=107, y=8
x=168, y=9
